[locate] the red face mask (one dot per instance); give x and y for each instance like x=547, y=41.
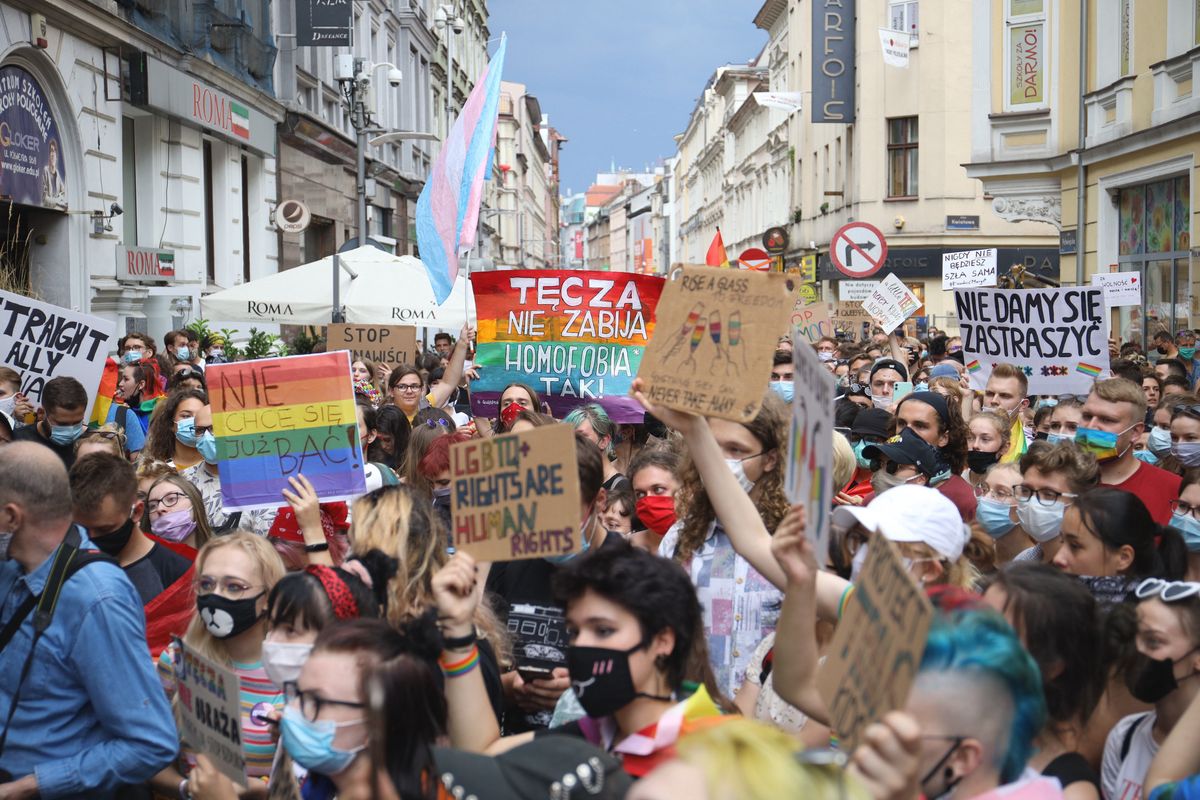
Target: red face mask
x=657, y=512
x=508, y=415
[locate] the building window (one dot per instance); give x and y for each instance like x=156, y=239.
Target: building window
x=1154, y=238
x=128, y=183
x=210, y=244
x=1025, y=54
x=902, y=157
x=903, y=16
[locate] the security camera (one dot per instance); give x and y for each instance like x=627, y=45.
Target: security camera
x=115, y=210
x=395, y=76
x=458, y=26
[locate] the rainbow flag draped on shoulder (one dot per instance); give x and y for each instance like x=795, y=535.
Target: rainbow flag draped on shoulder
x=448, y=208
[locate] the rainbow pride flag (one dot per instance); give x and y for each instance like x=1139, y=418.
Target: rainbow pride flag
x=974, y=366
x=575, y=336
x=276, y=418
x=1088, y=369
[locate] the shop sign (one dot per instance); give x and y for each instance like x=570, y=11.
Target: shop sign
x=323, y=23
x=926, y=262
x=145, y=264
x=833, y=61
x=184, y=96
x=31, y=156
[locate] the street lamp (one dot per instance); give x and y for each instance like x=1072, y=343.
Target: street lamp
x=447, y=17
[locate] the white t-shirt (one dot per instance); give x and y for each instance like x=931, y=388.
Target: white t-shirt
x=1122, y=779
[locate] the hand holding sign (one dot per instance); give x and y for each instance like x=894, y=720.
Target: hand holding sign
x=891, y=303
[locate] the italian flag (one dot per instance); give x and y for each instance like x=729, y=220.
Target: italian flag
x=239, y=120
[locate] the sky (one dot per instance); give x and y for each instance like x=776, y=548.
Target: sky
x=619, y=78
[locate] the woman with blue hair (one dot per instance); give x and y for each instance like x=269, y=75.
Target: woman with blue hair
x=593, y=422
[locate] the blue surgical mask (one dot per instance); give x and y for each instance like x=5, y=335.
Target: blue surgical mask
x=921, y=387
x=1159, y=441
x=1146, y=456
x=1189, y=528
x=206, y=445
x=1188, y=453
x=185, y=431
x=565, y=557
x=862, y=460
x=784, y=389
x=132, y=357
x=310, y=744
x=994, y=516
x=1055, y=438
x=183, y=353
x=1046, y=402
x=65, y=434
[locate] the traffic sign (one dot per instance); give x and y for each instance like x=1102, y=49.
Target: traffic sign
x=858, y=250
x=755, y=259
x=775, y=240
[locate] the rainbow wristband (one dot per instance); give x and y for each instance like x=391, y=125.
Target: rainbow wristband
x=849, y=590
x=456, y=669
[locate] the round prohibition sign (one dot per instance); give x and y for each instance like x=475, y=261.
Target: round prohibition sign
x=858, y=250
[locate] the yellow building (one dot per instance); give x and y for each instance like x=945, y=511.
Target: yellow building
x=1127, y=132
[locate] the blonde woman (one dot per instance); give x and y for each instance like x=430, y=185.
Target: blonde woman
x=175, y=511
x=234, y=576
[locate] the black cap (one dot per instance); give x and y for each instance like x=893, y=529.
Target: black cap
x=890, y=363
x=907, y=447
x=552, y=765
x=871, y=422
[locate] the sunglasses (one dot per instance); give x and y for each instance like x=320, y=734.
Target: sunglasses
x=1168, y=591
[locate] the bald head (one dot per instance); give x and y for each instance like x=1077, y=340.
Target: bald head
x=33, y=478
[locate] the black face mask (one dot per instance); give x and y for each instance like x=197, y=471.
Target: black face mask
x=112, y=544
x=1162, y=349
x=224, y=617
x=951, y=780
x=978, y=462
x=1154, y=678
x=1041, y=436
x=601, y=679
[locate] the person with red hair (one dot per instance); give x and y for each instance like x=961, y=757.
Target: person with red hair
x=434, y=470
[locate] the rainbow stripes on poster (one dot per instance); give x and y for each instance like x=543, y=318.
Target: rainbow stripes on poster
x=974, y=366
x=1089, y=369
x=275, y=418
x=575, y=336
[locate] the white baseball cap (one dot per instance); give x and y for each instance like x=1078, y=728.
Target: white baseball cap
x=909, y=513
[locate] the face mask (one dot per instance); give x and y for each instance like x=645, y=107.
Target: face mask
x=1042, y=523
x=441, y=496
x=509, y=415
x=112, y=544
x=216, y=352
x=8, y=404
x=224, y=617
x=1189, y=528
x=283, y=660
x=310, y=744
x=881, y=481
x=994, y=516
x=1188, y=453
x=785, y=389
x=657, y=512
x=862, y=460
x=206, y=445
x=940, y=769
x=174, y=526
x=1055, y=438
x=857, y=563
x=1159, y=441
x=132, y=357
x=978, y=462
x=1162, y=349
x=1187, y=352
x=1001, y=412
x=183, y=354
x=921, y=387
x=739, y=471
x=601, y=679
x=1102, y=444
x=565, y=557
x=1040, y=436
x=185, y=431
x=1145, y=456
x=821, y=354
x=881, y=402
x=1154, y=678
x=1046, y=402
x=65, y=434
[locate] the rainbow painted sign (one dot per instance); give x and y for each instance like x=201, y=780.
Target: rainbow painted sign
x=576, y=336
x=275, y=418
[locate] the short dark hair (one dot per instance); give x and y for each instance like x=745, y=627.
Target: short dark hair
x=591, y=467
x=64, y=392
x=781, y=357
x=664, y=456
x=1124, y=368
x=1164, y=336
x=100, y=475
x=1174, y=366
x=1175, y=380
x=437, y=337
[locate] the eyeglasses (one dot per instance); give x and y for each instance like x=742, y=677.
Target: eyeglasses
x=1190, y=410
x=310, y=703
x=112, y=436
x=1186, y=509
x=408, y=388
x=166, y=501
x=437, y=423
x=1004, y=494
x=233, y=588
x=203, y=429
x=1045, y=497
x=1168, y=591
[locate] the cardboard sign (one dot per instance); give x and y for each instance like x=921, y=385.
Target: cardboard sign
x=275, y=418
x=877, y=647
x=810, y=453
x=856, y=291
x=844, y=314
x=383, y=344
x=968, y=268
x=42, y=341
x=1120, y=288
x=1057, y=337
x=891, y=303
x=211, y=711
x=576, y=336
x=715, y=337
x=516, y=496
x=811, y=321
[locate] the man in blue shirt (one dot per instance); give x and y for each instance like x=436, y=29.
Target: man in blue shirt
x=91, y=715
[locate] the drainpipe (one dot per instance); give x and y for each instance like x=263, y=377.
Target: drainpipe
x=1081, y=170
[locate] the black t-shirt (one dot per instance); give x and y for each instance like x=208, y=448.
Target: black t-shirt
x=613, y=482
x=155, y=571
x=29, y=433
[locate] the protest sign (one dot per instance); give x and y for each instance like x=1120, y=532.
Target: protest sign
x=968, y=268
x=1120, y=288
x=516, y=496
x=877, y=647
x=43, y=341
x=810, y=455
x=575, y=336
x=856, y=291
x=811, y=320
x=1057, y=337
x=716, y=333
x=849, y=313
x=891, y=303
x=276, y=418
x=210, y=707
x=383, y=344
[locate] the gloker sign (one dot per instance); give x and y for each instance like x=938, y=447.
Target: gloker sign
x=182, y=95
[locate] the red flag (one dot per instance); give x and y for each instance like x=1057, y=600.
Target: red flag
x=168, y=614
x=716, y=252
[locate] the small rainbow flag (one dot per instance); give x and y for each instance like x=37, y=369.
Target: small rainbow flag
x=974, y=366
x=1088, y=369
x=275, y=418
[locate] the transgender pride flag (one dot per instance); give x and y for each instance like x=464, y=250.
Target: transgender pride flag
x=448, y=208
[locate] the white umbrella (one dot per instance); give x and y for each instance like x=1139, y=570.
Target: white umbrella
x=374, y=287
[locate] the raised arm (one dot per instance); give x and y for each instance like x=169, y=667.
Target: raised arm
x=454, y=371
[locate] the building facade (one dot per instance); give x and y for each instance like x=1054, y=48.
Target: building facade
x=526, y=204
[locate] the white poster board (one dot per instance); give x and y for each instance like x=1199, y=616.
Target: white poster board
x=1120, y=288
x=809, y=477
x=891, y=303
x=968, y=268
